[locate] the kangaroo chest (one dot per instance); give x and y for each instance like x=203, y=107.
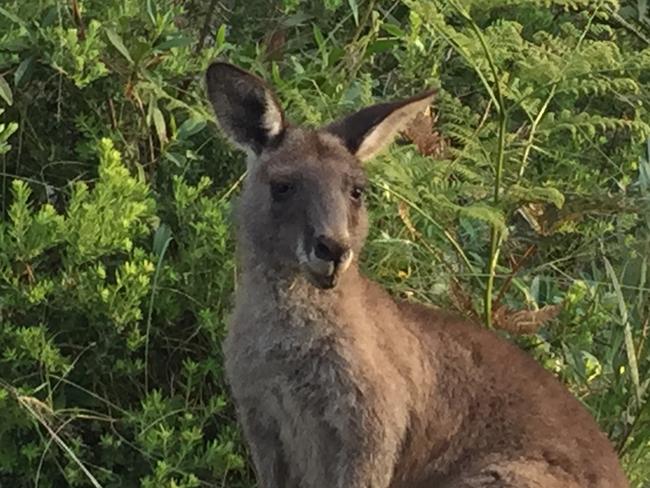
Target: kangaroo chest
x=314, y=380
x=293, y=351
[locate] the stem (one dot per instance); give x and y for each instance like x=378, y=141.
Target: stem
x=497, y=96
x=154, y=287
x=495, y=234
x=533, y=129
x=206, y=27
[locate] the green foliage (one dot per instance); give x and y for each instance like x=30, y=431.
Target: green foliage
x=116, y=256
x=79, y=357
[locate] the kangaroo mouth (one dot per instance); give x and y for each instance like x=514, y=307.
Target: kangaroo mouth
x=324, y=282
x=326, y=274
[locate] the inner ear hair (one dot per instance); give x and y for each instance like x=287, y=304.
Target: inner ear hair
x=246, y=107
x=366, y=132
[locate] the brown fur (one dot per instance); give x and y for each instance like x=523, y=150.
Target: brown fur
x=337, y=384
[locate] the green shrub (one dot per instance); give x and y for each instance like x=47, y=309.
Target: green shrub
x=80, y=357
x=529, y=187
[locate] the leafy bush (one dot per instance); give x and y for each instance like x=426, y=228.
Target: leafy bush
x=527, y=188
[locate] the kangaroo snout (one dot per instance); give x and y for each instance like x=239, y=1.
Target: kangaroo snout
x=328, y=249
x=328, y=260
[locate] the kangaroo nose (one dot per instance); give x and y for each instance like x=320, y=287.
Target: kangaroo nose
x=328, y=249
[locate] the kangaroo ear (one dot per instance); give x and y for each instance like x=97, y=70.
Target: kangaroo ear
x=246, y=108
x=371, y=129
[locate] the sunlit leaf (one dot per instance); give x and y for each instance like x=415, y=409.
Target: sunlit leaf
x=118, y=43
x=5, y=91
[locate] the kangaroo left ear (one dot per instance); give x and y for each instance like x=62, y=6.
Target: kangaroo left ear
x=368, y=131
x=246, y=108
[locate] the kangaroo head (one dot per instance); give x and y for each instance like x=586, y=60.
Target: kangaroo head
x=302, y=208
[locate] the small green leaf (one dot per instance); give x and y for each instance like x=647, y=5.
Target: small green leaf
x=382, y=46
x=177, y=159
x=5, y=132
x=159, y=124
x=318, y=36
x=484, y=213
x=296, y=20
x=5, y=91
x=536, y=194
x=642, y=10
x=190, y=127
x=394, y=29
x=117, y=42
x=627, y=330
x=12, y=17
x=275, y=74
x=152, y=12
x=161, y=239
x=221, y=36
x=23, y=67
x=179, y=41
x=355, y=10
x=332, y=5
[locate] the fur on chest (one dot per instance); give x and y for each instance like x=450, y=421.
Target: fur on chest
x=298, y=346
x=301, y=349
x=290, y=347
x=290, y=324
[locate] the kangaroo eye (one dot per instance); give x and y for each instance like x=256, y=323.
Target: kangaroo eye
x=280, y=191
x=356, y=193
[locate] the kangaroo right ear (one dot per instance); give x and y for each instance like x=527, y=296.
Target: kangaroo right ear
x=246, y=108
x=368, y=131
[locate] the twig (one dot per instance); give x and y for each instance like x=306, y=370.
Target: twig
x=515, y=269
x=206, y=27
x=76, y=15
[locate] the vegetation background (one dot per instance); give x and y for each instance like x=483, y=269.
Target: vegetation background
x=522, y=200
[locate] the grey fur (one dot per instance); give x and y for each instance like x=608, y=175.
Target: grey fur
x=337, y=384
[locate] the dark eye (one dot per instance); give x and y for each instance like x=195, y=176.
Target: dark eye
x=356, y=193
x=280, y=191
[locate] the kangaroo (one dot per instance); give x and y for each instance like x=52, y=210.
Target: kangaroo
x=336, y=383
